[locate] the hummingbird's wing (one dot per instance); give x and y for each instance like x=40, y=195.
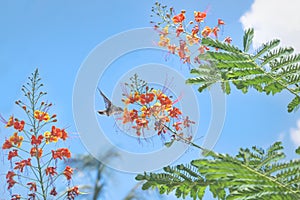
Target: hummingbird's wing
x=106, y=100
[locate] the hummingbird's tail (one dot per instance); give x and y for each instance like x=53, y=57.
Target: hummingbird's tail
x=102, y=112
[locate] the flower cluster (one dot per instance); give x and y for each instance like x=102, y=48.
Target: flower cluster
x=187, y=34
x=33, y=163
x=153, y=109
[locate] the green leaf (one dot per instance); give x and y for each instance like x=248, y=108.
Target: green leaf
x=220, y=45
x=248, y=37
x=169, y=144
x=294, y=104
x=267, y=47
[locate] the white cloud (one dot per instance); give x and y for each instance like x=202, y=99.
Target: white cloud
x=274, y=19
x=295, y=134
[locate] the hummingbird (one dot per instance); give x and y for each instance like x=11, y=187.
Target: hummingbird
x=111, y=109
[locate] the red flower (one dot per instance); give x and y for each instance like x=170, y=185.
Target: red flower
x=16, y=140
x=136, y=97
x=172, y=48
x=10, y=122
x=179, y=18
x=199, y=16
x=220, y=22
x=20, y=165
x=228, y=40
x=206, y=31
x=179, y=30
x=11, y=182
x=146, y=98
x=72, y=193
x=174, y=112
x=68, y=172
x=142, y=123
x=53, y=192
x=36, y=141
x=32, y=186
x=187, y=122
x=7, y=145
x=177, y=126
x=19, y=125
x=59, y=133
x=215, y=31
x=12, y=154
x=195, y=30
x=36, y=152
x=60, y=153
x=202, y=49
x=51, y=171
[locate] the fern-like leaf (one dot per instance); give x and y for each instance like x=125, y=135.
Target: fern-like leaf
x=251, y=174
x=248, y=37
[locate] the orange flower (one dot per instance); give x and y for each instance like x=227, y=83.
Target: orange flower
x=203, y=48
x=164, y=100
x=55, y=135
x=220, y=22
x=183, y=49
x=7, y=144
x=192, y=39
x=36, y=141
x=16, y=140
x=206, y=31
x=163, y=42
x=11, y=182
x=174, y=112
x=68, y=172
x=215, y=31
x=187, y=122
x=136, y=97
x=129, y=116
x=53, y=192
x=19, y=125
x=177, y=126
x=60, y=153
x=51, y=171
x=165, y=31
x=145, y=112
x=172, y=48
x=59, y=133
x=12, y=154
x=10, y=175
x=179, y=30
x=41, y=116
x=142, y=123
x=146, y=98
x=228, y=40
x=49, y=137
x=195, y=30
x=36, y=152
x=187, y=59
x=179, y=18
x=10, y=122
x=72, y=193
x=199, y=16
x=32, y=186
x=20, y=165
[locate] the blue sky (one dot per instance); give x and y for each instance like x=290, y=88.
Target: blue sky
x=57, y=36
